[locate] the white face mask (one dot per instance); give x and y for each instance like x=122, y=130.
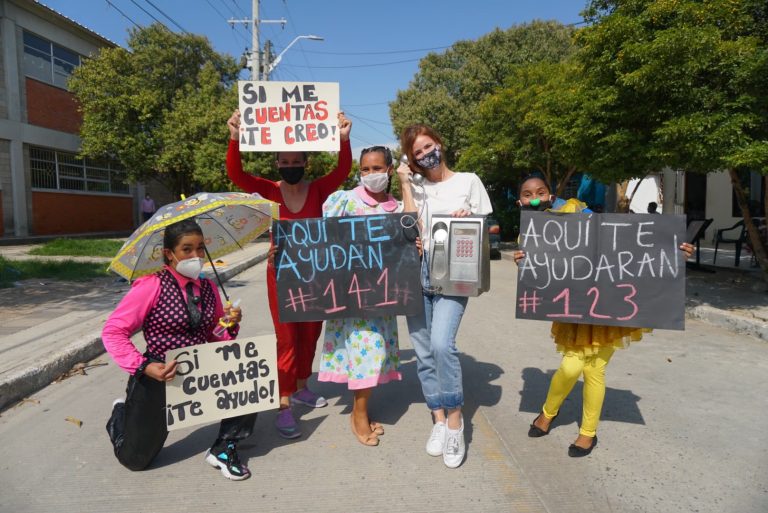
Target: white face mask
x=189, y=267
x=375, y=182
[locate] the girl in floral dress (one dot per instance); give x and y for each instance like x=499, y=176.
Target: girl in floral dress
x=363, y=352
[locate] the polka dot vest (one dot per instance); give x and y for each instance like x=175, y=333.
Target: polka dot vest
x=167, y=325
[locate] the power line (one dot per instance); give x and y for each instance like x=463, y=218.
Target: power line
x=367, y=119
x=369, y=143
x=359, y=65
x=365, y=104
x=110, y=4
x=227, y=20
x=148, y=13
x=362, y=120
x=381, y=53
x=239, y=8
x=167, y=17
x=234, y=14
x=301, y=47
x=227, y=7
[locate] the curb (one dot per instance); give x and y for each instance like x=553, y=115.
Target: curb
x=25, y=382
x=730, y=321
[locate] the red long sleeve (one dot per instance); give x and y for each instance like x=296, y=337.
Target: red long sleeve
x=319, y=189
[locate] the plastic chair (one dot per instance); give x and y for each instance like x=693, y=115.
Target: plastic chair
x=740, y=239
x=695, y=231
x=762, y=230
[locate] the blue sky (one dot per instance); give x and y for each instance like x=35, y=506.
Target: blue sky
x=371, y=48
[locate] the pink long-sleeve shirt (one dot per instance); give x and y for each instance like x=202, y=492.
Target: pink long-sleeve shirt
x=128, y=318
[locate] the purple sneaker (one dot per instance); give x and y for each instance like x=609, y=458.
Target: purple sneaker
x=308, y=398
x=286, y=424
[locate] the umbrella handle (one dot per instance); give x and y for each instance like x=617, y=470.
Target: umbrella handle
x=216, y=273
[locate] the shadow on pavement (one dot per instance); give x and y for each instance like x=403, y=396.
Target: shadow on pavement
x=389, y=402
x=619, y=405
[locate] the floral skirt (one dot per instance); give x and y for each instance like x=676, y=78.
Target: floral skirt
x=360, y=352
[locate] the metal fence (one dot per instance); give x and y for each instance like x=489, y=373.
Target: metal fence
x=59, y=170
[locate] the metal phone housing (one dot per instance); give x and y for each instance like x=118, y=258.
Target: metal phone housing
x=460, y=255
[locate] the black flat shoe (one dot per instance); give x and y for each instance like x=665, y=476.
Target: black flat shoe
x=574, y=451
x=536, y=432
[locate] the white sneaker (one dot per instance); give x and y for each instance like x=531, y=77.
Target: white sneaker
x=454, y=451
x=436, y=440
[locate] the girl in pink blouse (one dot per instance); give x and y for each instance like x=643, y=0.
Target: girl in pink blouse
x=174, y=308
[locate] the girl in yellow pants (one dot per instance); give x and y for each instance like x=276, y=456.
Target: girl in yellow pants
x=586, y=348
x=572, y=366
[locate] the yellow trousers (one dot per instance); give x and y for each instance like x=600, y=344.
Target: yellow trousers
x=573, y=366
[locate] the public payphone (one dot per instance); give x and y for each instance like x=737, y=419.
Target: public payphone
x=460, y=255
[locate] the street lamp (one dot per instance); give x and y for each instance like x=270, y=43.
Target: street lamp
x=270, y=66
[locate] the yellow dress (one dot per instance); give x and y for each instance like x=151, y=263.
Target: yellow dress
x=585, y=340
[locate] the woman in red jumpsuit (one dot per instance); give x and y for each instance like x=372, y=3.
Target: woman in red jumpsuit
x=298, y=199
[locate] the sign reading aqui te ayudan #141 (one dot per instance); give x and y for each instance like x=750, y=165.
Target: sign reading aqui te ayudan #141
x=358, y=266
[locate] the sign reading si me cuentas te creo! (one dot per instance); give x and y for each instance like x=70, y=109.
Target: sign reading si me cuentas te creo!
x=609, y=269
x=220, y=380
x=336, y=267
x=289, y=116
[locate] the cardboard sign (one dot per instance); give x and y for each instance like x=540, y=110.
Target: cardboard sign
x=289, y=116
x=358, y=266
x=220, y=380
x=609, y=269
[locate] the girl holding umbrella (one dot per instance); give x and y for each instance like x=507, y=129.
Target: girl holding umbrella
x=175, y=308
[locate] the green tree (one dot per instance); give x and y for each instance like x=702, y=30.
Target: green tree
x=532, y=123
x=160, y=107
x=685, y=85
x=448, y=87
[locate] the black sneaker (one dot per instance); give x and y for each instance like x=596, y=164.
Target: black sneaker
x=226, y=459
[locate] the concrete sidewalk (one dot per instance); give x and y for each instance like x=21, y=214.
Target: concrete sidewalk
x=49, y=326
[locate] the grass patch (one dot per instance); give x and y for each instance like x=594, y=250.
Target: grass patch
x=79, y=247
x=15, y=270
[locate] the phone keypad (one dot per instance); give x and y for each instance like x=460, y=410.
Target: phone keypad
x=465, y=248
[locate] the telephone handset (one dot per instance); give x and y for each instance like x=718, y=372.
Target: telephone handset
x=414, y=178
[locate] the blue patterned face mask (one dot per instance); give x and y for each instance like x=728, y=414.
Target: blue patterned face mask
x=431, y=160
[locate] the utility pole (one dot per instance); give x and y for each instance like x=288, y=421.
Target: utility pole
x=255, y=44
x=254, y=61
x=267, y=59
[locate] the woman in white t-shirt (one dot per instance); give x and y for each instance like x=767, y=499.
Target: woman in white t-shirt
x=433, y=334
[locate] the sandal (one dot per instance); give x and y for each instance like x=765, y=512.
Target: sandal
x=377, y=428
x=371, y=440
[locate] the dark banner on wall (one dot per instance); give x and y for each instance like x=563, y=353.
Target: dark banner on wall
x=611, y=269
x=359, y=266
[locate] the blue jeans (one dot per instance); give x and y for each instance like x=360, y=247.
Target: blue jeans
x=433, y=336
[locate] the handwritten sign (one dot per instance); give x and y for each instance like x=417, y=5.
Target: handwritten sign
x=610, y=269
x=288, y=116
x=359, y=266
x=221, y=380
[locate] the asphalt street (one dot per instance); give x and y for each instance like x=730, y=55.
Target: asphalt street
x=683, y=430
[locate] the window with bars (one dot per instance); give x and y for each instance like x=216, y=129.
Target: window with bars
x=61, y=170
x=47, y=61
